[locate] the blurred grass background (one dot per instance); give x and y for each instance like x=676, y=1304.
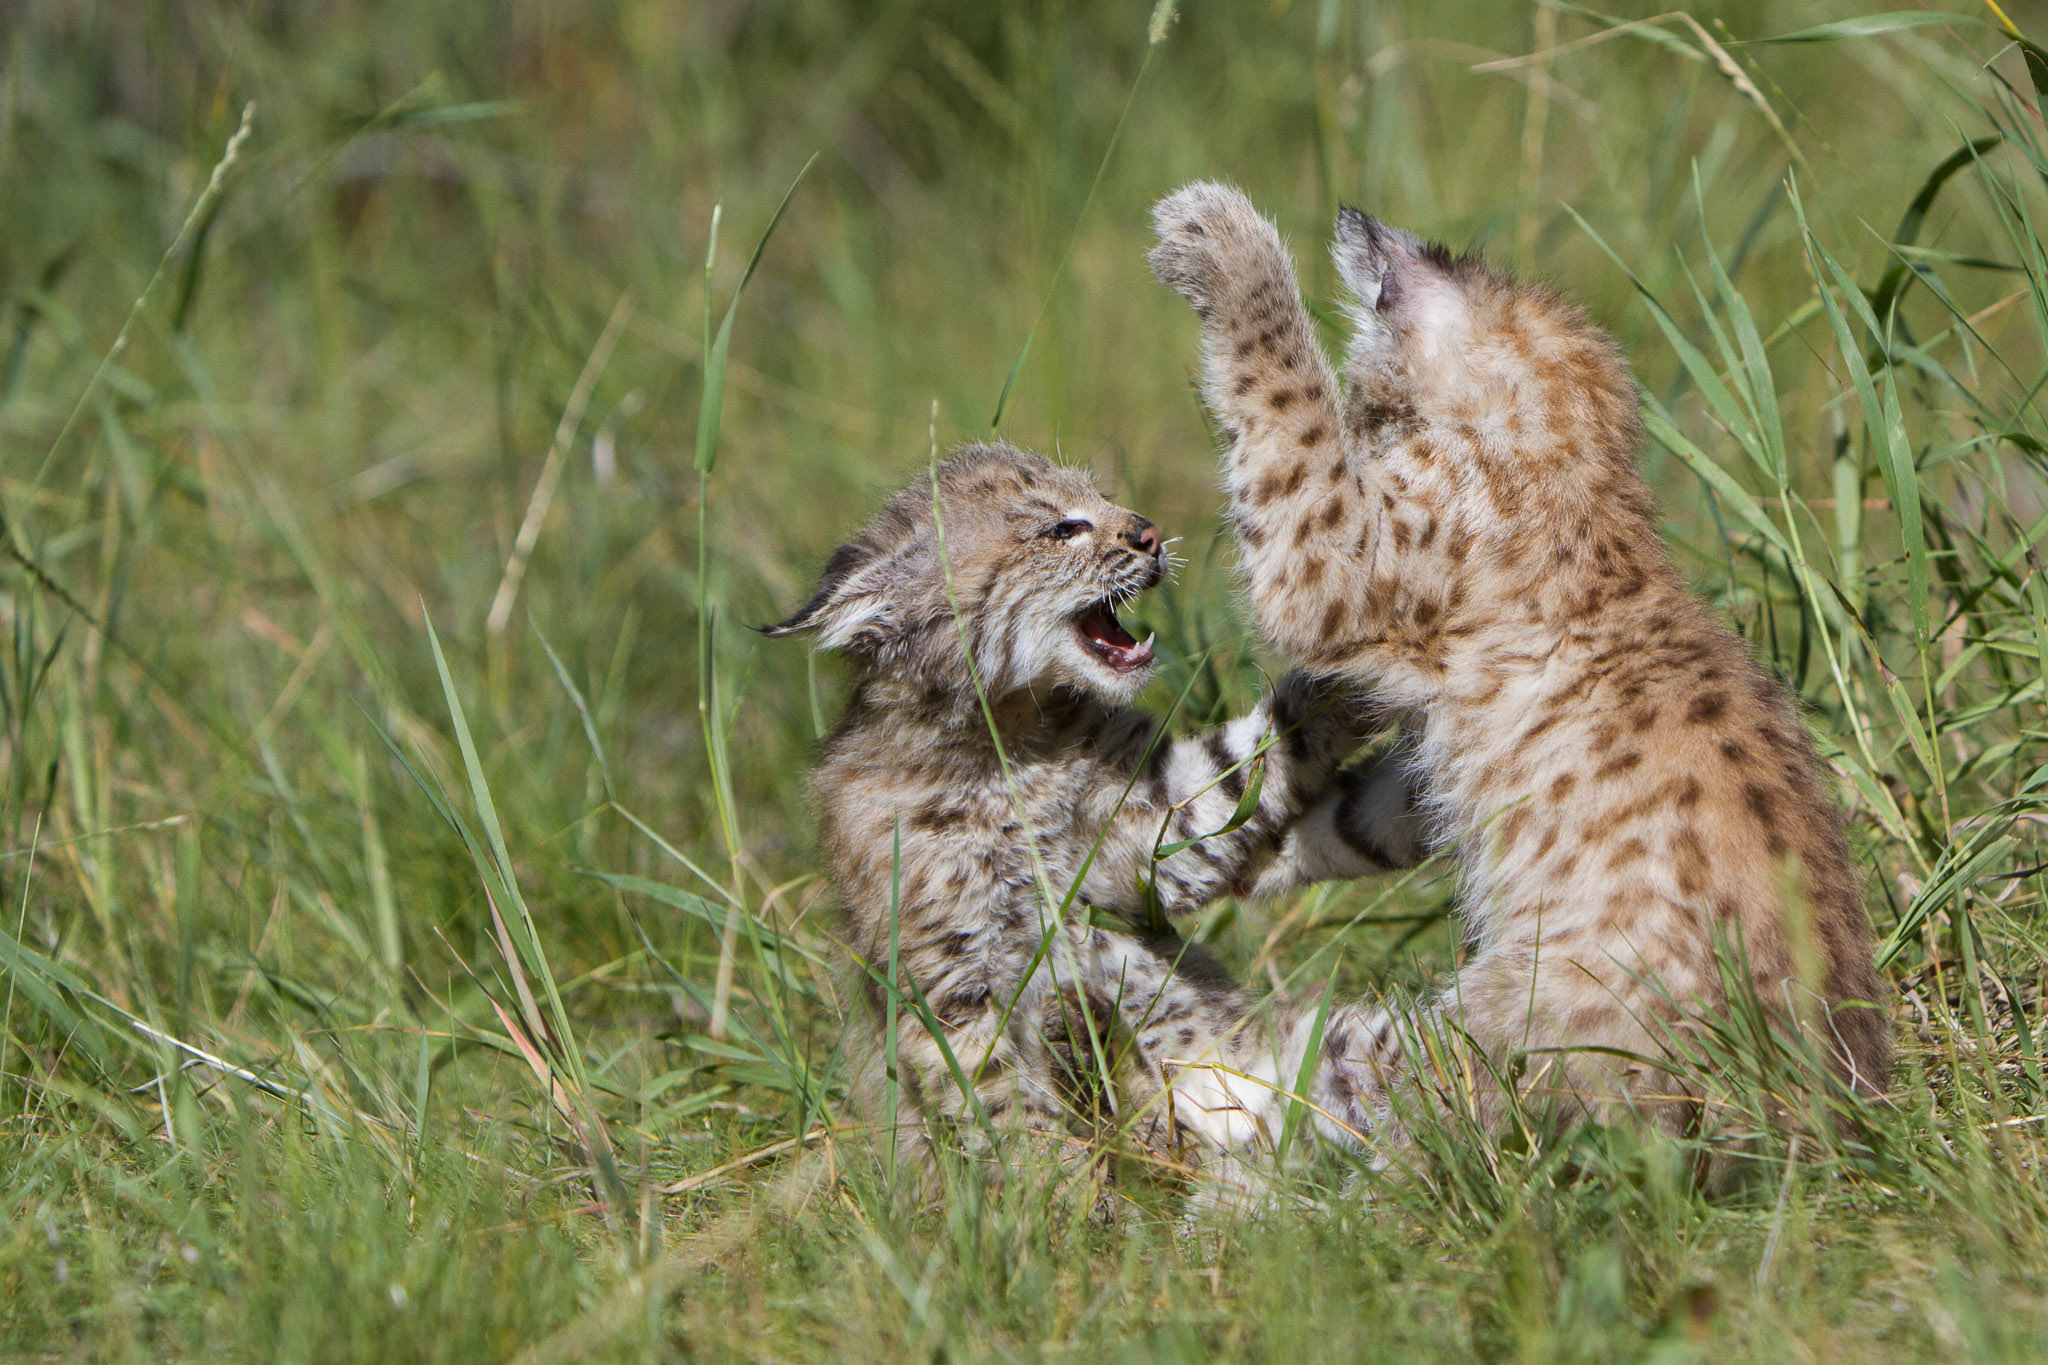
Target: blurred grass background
x=378, y=994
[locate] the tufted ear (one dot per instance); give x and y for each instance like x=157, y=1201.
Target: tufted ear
x=1405, y=287
x=848, y=603
x=1390, y=269
x=1377, y=262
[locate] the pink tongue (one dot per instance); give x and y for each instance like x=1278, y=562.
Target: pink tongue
x=1103, y=627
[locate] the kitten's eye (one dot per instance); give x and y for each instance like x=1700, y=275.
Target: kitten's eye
x=1067, y=530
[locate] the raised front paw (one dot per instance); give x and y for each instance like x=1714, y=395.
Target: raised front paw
x=1324, y=717
x=1210, y=238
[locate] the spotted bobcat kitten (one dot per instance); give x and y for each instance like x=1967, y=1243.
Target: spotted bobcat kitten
x=1461, y=528
x=959, y=830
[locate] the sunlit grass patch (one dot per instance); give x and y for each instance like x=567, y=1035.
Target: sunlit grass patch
x=389, y=977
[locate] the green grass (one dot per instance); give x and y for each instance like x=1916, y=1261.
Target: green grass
x=382, y=985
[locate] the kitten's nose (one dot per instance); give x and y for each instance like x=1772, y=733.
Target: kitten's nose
x=1143, y=535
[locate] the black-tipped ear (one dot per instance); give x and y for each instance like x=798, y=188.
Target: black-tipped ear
x=1365, y=251
x=844, y=562
x=1356, y=225
x=1380, y=264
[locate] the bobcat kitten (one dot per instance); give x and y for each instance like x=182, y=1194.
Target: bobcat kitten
x=1632, y=799
x=987, y=763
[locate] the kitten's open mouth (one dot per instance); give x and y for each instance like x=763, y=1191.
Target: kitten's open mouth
x=1109, y=641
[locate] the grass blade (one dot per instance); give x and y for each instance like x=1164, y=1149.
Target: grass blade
x=1163, y=13
x=1867, y=26
x=712, y=398
x=1882, y=420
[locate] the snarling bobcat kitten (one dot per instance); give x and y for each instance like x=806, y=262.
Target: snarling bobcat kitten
x=1461, y=528
x=987, y=763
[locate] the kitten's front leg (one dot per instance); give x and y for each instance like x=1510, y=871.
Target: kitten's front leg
x=1265, y=377
x=1305, y=512
x=1190, y=789
x=1369, y=823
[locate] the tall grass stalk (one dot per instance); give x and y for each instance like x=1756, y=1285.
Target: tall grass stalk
x=710, y=713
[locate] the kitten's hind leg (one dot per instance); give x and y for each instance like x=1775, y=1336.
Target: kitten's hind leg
x=1198, y=1078
x=1507, y=1033
x=1008, y=1074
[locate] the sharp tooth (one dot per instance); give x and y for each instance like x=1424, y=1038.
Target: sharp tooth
x=1146, y=643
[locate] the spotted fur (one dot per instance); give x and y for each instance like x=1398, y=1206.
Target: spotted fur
x=1461, y=528
x=987, y=765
